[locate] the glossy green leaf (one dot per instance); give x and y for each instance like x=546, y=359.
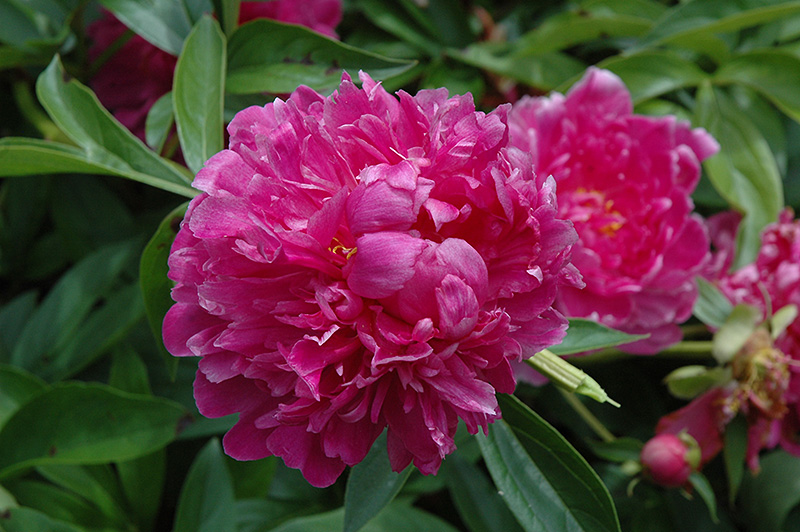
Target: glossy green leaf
x=773, y=73
x=744, y=172
x=206, y=503
x=13, y=316
x=478, y=503
x=96, y=484
x=737, y=329
x=6, y=500
x=618, y=450
x=708, y=17
x=29, y=520
x=766, y=499
x=17, y=387
x=688, y=382
x=54, y=324
x=160, y=119
x=80, y=423
x=544, y=71
x=734, y=454
x=445, y=20
x=392, y=18
x=23, y=156
x=258, y=515
x=76, y=110
x=652, y=73
x=711, y=306
x=252, y=478
x=197, y=93
x=267, y=56
x=586, y=335
x=153, y=280
x=544, y=480
x=142, y=481
x=371, y=486
x=397, y=517
x=61, y=504
x=163, y=23
x=228, y=13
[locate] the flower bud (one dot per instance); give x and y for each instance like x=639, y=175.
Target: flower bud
x=668, y=459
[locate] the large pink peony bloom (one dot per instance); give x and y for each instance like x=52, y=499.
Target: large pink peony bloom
x=134, y=77
x=625, y=181
x=765, y=384
x=359, y=262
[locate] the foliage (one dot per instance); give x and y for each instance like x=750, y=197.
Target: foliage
x=98, y=427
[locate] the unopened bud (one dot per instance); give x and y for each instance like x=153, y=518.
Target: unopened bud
x=669, y=459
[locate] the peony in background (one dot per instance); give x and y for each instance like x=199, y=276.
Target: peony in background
x=384, y=266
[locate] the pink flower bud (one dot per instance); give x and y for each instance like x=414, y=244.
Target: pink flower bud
x=668, y=459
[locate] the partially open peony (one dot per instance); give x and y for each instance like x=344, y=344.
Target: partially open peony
x=364, y=261
x=134, y=77
x=625, y=182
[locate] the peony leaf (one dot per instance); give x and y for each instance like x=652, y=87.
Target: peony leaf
x=545, y=481
x=731, y=337
x=158, y=125
x=766, y=499
x=23, y=156
x=13, y=317
x=745, y=172
x=268, y=56
x=228, y=13
x=106, y=142
x=478, y=503
x=371, y=486
x=153, y=280
x=97, y=484
x=734, y=454
x=59, y=317
x=390, y=17
x=585, y=335
x=703, y=488
x=688, y=382
x=198, y=93
x=397, y=517
x=775, y=74
x=711, y=306
x=17, y=387
x=206, y=502
x=653, y=73
x=79, y=423
x=30, y=520
x=619, y=450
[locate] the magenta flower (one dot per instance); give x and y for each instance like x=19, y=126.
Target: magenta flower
x=765, y=383
x=668, y=460
x=625, y=182
x=132, y=79
x=362, y=261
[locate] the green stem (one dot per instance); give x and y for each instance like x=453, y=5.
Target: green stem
x=590, y=419
x=689, y=350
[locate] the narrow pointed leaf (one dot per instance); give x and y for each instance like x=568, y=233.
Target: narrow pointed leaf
x=17, y=387
x=585, y=335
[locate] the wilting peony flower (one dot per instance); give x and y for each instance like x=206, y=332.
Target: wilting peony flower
x=134, y=77
x=765, y=383
x=362, y=261
x=669, y=459
x=625, y=181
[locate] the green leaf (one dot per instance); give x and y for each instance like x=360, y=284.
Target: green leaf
x=478, y=503
x=687, y=382
x=267, y=56
x=228, y=13
x=76, y=110
x=158, y=125
x=54, y=324
x=24, y=156
x=29, y=520
x=258, y=515
x=544, y=71
x=397, y=517
x=766, y=499
x=711, y=306
x=153, y=280
x=61, y=504
x=95, y=484
x=371, y=486
x=445, y=20
x=773, y=73
x=734, y=454
x=17, y=387
x=544, y=480
x=13, y=316
x=163, y=23
x=206, y=503
x=737, y=329
x=586, y=335
x=80, y=423
x=142, y=481
x=690, y=20
x=744, y=172
x=653, y=73
x=390, y=17
x=618, y=450
x=197, y=93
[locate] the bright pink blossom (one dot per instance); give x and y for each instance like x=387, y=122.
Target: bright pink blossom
x=133, y=78
x=668, y=460
x=625, y=181
x=364, y=261
x=765, y=384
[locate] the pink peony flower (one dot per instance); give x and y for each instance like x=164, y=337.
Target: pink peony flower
x=765, y=385
x=358, y=262
x=625, y=181
x=132, y=79
x=668, y=460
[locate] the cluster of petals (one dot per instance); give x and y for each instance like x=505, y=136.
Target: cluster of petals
x=136, y=75
x=363, y=262
x=625, y=182
x=765, y=384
